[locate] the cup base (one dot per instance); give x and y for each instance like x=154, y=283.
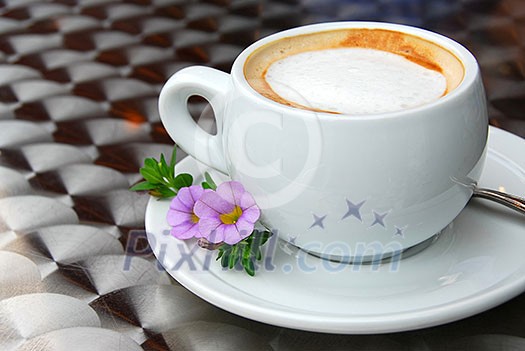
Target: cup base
x=378, y=258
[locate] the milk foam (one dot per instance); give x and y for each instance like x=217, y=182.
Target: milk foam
x=354, y=81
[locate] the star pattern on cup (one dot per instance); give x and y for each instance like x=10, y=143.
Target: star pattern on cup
x=379, y=218
x=400, y=231
x=353, y=210
x=318, y=221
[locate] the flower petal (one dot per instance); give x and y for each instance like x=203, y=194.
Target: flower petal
x=251, y=214
x=217, y=235
x=247, y=200
x=244, y=227
x=231, y=191
x=231, y=234
x=212, y=205
x=185, y=230
x=177, y=205
x=175, y=217
x=207, y=225
x=189, y=195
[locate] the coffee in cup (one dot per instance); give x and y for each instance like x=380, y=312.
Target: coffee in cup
x=353, y=71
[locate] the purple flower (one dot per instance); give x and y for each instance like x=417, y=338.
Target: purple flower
x=227, y=214
x=181, y=217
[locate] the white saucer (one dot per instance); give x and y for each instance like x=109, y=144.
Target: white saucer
x=475, y=264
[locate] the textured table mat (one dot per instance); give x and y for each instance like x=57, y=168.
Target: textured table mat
x=78, y=90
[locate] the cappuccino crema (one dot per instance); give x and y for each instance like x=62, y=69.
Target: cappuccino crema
x=354, y=81
x=353, y=71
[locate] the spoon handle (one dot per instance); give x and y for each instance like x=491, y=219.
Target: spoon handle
x=512, y=201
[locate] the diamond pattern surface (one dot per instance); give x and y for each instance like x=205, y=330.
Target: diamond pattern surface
x=78, y=90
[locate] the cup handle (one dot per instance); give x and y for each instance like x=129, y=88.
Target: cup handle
x=211, y=84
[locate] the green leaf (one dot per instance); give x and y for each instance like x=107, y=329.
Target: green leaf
x=234, y=257
x=150, y=175
x=221, y=252
x=164, y=169
x=247, y=251
x=163, y=192
x=173, y=158
x=182, y=180
x=209, y=181
x=225, y=260
x=249, y=267
x=226, y=248
x=160, y=177
x=224, y=253
x=265, y=236
x=150, y=163
x=143, y=186
x=206, y=186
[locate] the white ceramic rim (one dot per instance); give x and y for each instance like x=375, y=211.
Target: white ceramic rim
x=469, y=63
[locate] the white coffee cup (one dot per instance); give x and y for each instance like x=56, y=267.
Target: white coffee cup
x=339, y=186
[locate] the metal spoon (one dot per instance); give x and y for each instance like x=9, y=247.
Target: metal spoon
x=511, y=201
